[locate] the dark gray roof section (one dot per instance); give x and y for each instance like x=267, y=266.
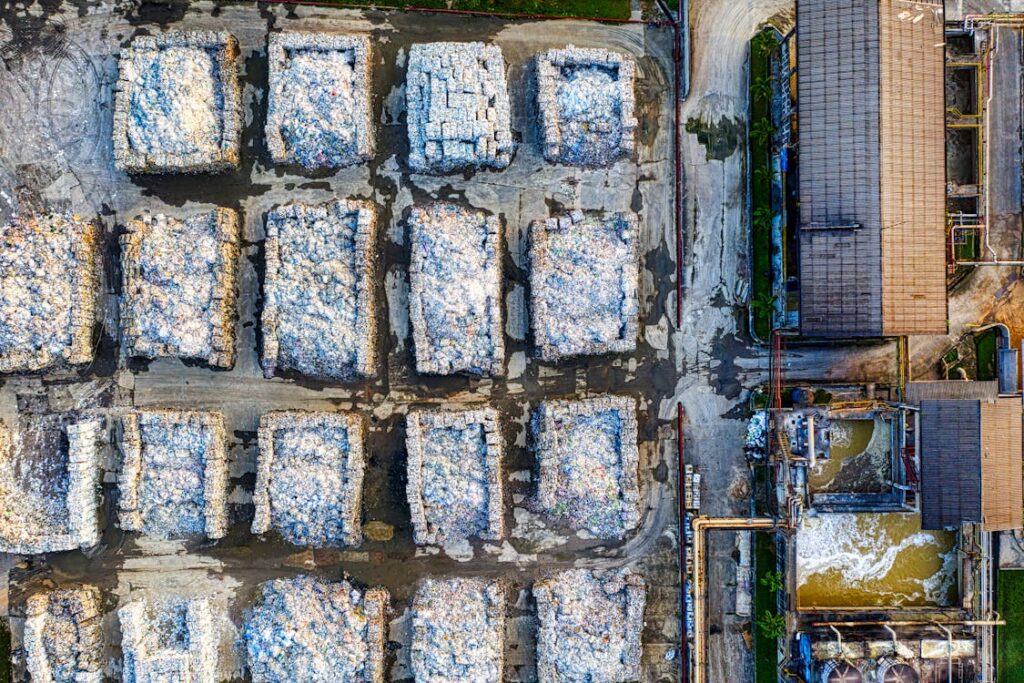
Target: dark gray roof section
x=838, y=89
x=950, y=389
x=950, y=463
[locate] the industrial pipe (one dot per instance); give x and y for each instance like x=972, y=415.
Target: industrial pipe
x=700, y=526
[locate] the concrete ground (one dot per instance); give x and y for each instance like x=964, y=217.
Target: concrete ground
x=60, y=62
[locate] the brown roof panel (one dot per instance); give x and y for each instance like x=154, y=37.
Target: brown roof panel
x=1002, y=497
x=913, y=171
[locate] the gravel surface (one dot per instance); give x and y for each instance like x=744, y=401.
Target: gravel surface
x=455, y=290
x=586, y=103
x=49, y=277
x=320, y=308
x=168, y=640
x=173, y=479
x=63, y=639
x=308, y=630
x=177, y=105
x=318, y=110
x=48, y=491
x=458, y=109
x=180, y=278
x=458, y=630
x=591, y=624
x=455, y=484
x=588, y=459
x=583, y=282
x=309, y=478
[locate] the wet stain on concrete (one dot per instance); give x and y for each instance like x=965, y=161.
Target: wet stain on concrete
x=720, y=138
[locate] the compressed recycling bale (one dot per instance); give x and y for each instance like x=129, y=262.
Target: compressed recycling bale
x=48, y=491
x=320, y=306
x=174, y=473
x=584, y=270
x=588, y=459
x=306, y=629
x=454, y=468
x=49, y=278
x=168, y=639
x=63, y=636
x=180, y=277
x=177, y=104
x=458, y=108
x=458, y=631
x=309, y=478
x=455, y=290
x=318, y=105
x=587, y=105
x=591, y=623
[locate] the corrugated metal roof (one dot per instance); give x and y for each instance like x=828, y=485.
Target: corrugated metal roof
x=971, y=469
x=950, y=463
x=838, y=114
x=872, y=168
x=951, y=389
x=913, y=168
x=1001, y=487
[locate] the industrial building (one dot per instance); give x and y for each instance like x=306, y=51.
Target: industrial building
x=871, y=117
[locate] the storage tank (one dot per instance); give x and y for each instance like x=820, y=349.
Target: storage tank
x=894, y=671
x=839, y=671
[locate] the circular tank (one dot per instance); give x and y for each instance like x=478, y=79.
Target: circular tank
x=897, y=672
x=837, y=671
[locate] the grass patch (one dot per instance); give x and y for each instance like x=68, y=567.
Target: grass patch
x=765, y=647
x=607, y=9
x=985, y=349
x=1010, y=638
x=762, y=301
x=969, y=248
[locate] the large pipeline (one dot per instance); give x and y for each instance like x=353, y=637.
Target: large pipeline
x=700, y=526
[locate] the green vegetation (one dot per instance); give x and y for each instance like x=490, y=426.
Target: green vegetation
x=761, y=130
x=607, y=9
x=1010, y=638
x=770, y=625
x=970, y=248
x=822, y=397
x=5, y=653
x=985, y=349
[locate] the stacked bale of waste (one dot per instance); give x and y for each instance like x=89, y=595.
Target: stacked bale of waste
x=174, y=473
x=49, y=278
x=458, y=108
x=180, y=277
x=458, y=631
x=320, y=306
x=455, y=290
x=310, y=630
x=178, y=104
x=309, y=478
x=318, y=103
x=587, y=106
x=588, y=460
x=591, y=622
x=584, y=270
x=63, y=636
x=455, y=487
